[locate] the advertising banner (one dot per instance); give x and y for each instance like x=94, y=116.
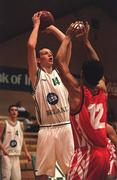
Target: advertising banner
x=14, y=79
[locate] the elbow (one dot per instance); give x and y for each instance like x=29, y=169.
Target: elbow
x=60, y=65
x=59, y=62
x=30, y=45
x=59, y=58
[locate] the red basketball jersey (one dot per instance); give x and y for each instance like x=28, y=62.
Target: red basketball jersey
x=89, y=124
x=91, y=158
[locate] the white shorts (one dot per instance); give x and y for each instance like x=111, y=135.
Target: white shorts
x=55, y=144
x=11, y=168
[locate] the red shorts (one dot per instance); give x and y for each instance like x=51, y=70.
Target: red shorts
x=89, y=164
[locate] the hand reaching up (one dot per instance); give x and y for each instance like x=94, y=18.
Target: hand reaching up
x=79, y=30
x=36, y=18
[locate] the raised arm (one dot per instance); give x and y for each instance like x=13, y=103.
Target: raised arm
x=63, y=58
x=56, y=32
x=83, y=36
x=32, y=41
x=62, y=63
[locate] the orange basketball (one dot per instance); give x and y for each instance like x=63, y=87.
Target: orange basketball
x=46, y=20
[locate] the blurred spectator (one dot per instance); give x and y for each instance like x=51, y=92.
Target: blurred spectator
x=22, y=110
x=11, y=144
x=29, y=121
x=30, y=124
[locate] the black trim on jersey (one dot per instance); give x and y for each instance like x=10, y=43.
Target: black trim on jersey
x=57, y=71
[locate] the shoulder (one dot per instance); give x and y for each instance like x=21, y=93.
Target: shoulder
x=55, y=71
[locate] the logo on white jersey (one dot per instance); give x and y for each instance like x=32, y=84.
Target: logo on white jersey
x=52, y=98
x=13, y=143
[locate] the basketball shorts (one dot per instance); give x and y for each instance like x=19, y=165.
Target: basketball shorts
x=11, y=168
x=55, y=144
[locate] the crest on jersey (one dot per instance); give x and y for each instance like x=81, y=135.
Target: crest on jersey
x=13, y=143
x=52, y=98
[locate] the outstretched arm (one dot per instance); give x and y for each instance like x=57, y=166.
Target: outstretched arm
x=32, y=41
x=60, y=36
x=62, y=63
x=56, y=32
x=83, y=37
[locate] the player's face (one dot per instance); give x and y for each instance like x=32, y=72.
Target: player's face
x=46, y=57
x=13, y=113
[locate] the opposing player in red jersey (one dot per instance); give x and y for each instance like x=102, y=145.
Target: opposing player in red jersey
x=88, y=108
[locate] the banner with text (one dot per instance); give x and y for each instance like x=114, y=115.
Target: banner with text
x=14, y=79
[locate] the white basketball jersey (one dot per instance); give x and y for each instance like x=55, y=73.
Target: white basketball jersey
x=13, y=138
x=51, y=98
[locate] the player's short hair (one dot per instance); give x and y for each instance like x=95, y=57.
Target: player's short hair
x=93, y=71
x=12, y=105
x=39, y=50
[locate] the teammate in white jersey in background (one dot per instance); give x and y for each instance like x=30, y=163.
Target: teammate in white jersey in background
x=55, y=139
x=11, y=145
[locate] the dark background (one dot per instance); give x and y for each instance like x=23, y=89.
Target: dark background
x=15, y=15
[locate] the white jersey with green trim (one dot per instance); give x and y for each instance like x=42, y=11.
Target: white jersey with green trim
x=51, y=98
x=13, y=138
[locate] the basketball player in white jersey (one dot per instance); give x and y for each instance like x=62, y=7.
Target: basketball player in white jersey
x=11, y=144
x=55, y=140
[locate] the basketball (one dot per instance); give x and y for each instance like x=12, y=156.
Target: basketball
x=46, y=20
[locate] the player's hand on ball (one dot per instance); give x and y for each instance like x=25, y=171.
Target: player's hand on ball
x=84, y=32
x=75, y=29
x=36, y=18
x=46, y=19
